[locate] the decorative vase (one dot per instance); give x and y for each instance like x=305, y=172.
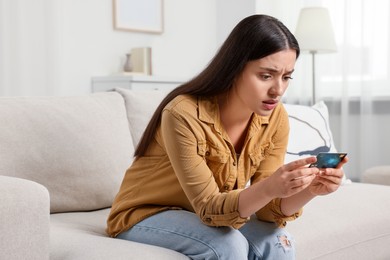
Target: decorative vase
x=128, y=66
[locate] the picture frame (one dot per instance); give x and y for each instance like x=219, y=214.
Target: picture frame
x=138, y=16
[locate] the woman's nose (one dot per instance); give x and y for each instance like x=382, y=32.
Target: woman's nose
x=277, y=88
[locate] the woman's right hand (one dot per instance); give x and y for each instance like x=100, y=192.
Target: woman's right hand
x=287, y=181
x=291, y=178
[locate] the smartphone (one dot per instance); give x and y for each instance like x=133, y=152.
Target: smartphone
x=328, y=160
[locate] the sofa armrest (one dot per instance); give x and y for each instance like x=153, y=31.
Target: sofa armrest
x=24, y=219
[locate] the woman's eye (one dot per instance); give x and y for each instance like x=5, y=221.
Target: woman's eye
x=265, y=77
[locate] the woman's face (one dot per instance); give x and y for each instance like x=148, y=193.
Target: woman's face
x=263, y=82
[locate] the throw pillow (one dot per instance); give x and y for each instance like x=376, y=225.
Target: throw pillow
x=310, y=132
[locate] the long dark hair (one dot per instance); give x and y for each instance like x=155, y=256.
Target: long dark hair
x=253, y=38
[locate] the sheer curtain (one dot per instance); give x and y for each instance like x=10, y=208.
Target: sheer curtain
x=354, y=82
x=360, y=73
x=363, y=79
x=30, y=43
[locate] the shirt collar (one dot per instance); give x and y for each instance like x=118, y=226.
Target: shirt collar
x=209, y=113
x=208, y=110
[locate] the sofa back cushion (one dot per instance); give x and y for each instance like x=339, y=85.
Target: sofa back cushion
x=140, y=106
x=78, y=147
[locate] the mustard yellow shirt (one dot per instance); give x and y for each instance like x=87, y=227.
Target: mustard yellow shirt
x=191, y=165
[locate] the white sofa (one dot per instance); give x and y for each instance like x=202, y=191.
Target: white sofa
x=62, y=160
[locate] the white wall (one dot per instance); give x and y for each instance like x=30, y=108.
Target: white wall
x=54, y=47
x=229, y=13
x=93, y=48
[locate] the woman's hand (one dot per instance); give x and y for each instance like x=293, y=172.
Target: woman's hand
x=288, y=180
x=328, y=180
x=291, y=178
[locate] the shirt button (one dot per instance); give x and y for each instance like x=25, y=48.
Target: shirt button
x=208, y=220
x=234, y=163
x=226, y=187
x=207, y=153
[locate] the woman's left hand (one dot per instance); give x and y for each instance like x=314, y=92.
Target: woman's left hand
x=328, y=180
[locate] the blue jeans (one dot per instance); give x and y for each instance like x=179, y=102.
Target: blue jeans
x=183, y=232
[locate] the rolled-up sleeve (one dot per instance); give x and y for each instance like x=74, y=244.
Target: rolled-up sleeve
x=214, y=208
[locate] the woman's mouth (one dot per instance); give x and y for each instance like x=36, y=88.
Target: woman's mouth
x=270, y=104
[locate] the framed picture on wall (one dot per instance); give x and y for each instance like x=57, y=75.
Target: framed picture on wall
x=138, y=15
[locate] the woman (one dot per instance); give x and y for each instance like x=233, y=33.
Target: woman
x=186, y=189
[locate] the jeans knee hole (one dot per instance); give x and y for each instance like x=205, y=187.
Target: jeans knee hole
x=284, y=243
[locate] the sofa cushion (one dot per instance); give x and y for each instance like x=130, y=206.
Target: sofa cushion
x=351, y=223
x=77, y=147
x=378, y=175
x=81, y=235
x=140, y=106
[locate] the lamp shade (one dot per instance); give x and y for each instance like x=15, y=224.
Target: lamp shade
x=314, y=30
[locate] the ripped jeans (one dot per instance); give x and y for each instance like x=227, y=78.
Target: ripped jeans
x=183, y=232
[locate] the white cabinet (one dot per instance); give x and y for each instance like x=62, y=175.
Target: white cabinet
x=134, y=82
